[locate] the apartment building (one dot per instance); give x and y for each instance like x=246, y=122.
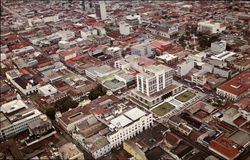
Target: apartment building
x=15, y=116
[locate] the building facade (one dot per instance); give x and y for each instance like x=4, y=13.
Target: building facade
x=154, y=79
x=100, y=8
x=15, y=116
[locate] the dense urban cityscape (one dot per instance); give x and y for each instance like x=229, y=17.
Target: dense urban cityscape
x=125, y=80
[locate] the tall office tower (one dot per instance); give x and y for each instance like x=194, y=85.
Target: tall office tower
x=101, y=10
x=154, y=79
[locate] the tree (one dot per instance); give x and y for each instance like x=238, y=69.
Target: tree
x=65, y=103
x=50, y=112
x=182, y=41
x=96, y=92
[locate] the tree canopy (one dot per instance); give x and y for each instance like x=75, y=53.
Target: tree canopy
x=50, y=112
x=96, y=92
x=65, y=103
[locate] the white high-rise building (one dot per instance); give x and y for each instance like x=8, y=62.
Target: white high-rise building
x=124, y=28
x=154, y=79
x=101, y=10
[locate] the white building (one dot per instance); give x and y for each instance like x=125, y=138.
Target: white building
x=154, y=85
x=125, y=123
x=15, y=115
x=199, y=77
x=218, y=47
x=236, y=87
x=99, y=71
x=211, y=27
x=54, y=18
x=24, y=83
x=101, y=10
x=23, y=50
x=64, y=44
x=154, y=79
x=185, y=68
x=65, y=35
x=115, y=52
x=124, y=28
x=143, y=49
x=104, y=130
x=133, y=19
x=223, y=55
x=134, y=62
x=47, y=90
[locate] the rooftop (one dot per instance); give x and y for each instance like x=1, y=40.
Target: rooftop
x=167, y=57
x=225, y=146
x=81, y=112
x=69, y=150
x=238, y=84
x=100, y=70
x=121, y=114
x=13, y=106
x=224, y=55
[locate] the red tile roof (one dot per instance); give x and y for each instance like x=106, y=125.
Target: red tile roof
x=243, y=103
x=239, y=121
x=237, y=85
x=225, y=146
x=145, y=61
x=23, y=71
x=70, y=51
x=172, y=138
x=161, y=45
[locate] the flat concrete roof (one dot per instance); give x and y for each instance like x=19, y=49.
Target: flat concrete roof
x=134, y=114
x=120, y=121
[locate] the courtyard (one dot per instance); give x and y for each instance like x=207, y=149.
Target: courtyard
x=186, y=96
x=163, y=109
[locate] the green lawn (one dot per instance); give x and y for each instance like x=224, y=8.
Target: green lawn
x=137, y=102
x=184, y=97
x=163, y=109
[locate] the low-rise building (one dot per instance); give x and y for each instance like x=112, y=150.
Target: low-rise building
x=225, y=147
x=134, y=62
x=242, y=64
x=211, y=27
x=70, y=119
x=39, y=130
x=99, y=71
x=110, y=125
x=235, y=87
x=162, y=30
x=47, y=90
x=168, y=59
x=23, y=50
x=143, y=50
x=70, y=151
x=134, y=150
x=25, y=83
